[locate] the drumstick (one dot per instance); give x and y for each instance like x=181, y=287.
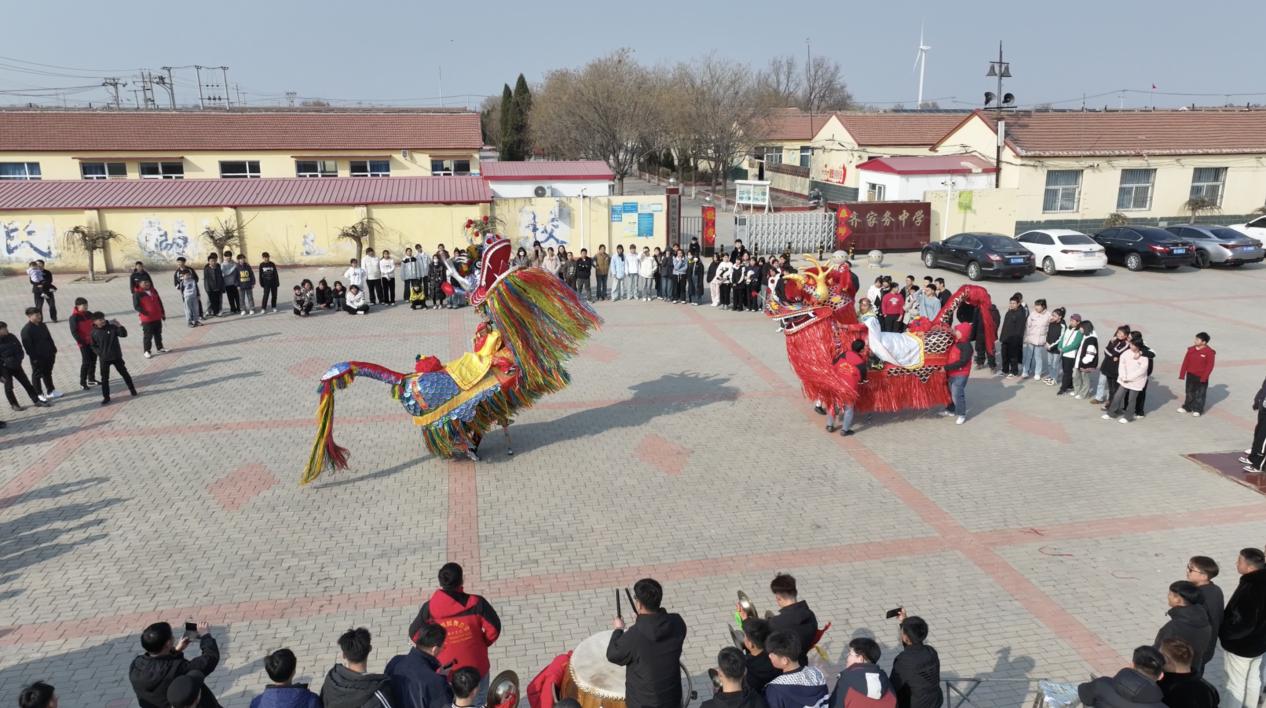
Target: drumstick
x=630, y=596
x=618, y=612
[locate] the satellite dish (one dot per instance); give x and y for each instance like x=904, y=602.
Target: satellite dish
x=540, y=191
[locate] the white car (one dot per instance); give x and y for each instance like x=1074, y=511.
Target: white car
x=1057, y=250
x=1255, y=228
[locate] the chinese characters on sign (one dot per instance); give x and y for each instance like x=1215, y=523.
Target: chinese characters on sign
x=882, y=225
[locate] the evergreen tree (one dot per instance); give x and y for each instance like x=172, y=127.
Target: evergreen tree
x=507, y=106
x=522, y=147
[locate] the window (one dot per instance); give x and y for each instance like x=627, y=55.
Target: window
x=103, y=170
x=370, y=168
x=162, y=170
x=1036, y=238
x=1063, y=187
x=806, y=155
x=448, y=168
x=771, y=154
x=1207, y=183
x=1076, y=240
x=19, y=170
x=1136, y=189
x=316, y=168
x=239, y=169
x=875, y=192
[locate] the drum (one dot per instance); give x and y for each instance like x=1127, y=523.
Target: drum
x=592, y=680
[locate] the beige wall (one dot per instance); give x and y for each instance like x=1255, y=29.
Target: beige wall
x=206, y=165
x=834, y=148
x=991, y=210
x=581, y=223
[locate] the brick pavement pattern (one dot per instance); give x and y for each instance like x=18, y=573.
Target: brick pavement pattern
x=1038, y=540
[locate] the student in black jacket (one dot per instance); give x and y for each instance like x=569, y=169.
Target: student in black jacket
x=1188, y=621
x=793, y=615
x=153, y=672
x=350, y=685
x=650, y=650
x=39, y=345
x=1134, y=686
x=11, y=356
x=734, y=692
x=760, y=670
x=213, y=281
x=269, y=280
x=916, y=672
x=1243, y=631
x=415, y=677
x=1182, y=687
x=105, y=344
x=1255, y=455
x=1012, y=337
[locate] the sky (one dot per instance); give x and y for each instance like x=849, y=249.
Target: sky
x=414, y=53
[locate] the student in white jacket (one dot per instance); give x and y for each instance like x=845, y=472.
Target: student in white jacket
x=354, y=275
x=633, y=277
x=355, y=304
x=646, y=274
x=387, y=268
x=373, y=276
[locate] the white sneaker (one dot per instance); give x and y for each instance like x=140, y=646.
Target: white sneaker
x=1196, y=414
x=1122, y=420
x=274, y=309
x=54, y=394
x=1077, y=396
x=148, y=355
x=1182, y=410
x=960, y=420
x=1105, y=416
x=1037, y=377
x=244, y=313
x=946, y=414
x=42, y=398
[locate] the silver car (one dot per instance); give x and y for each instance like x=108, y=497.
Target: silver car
x=1219, y=245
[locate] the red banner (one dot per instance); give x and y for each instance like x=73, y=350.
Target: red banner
x=709, y=227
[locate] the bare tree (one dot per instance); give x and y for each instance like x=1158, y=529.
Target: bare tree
x=607, y=111
x=782, y=81
x=726, y=107
x=359, y=232
x=222, y=234
x=824, y=87
x=90, y=239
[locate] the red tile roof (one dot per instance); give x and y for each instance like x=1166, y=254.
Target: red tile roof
x=215, y=193
x=904, y=129
x=928, y=165
x=1108, y=133
x=117, y=131
x=547, y=170
x=792, y=124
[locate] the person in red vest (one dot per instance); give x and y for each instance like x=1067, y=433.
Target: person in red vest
x=470, y=621
x=81, y=330
x=892, y=306
x=149, y=306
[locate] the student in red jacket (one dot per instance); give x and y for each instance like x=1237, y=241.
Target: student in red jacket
x=149, y=306
x=892, y=305
x=81, y=330
x=1196, y=367
x=471, y=622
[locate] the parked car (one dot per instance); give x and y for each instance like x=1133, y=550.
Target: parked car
x=1219, y=245
x=1255, y=228
x=1140, y=246
x=1058, y=250
x=979, y=255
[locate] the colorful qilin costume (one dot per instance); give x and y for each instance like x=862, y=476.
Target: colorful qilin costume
x=906, y=370
x=533, y=324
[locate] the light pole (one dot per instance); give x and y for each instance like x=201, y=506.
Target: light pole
x=1002, y=70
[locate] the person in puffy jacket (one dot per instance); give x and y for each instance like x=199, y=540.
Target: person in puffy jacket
x=281, y=693
x=862, y=684
x=1109, y=368
x=1132, y=687
x=957, y=371
x=1035, y=341
x=1243, y=631
x=416, y=677
x=1011, y=334
x=1068, y=347
x=650, y=650
x=1054, y=334
x=1188, y=621
x=1087, y=361
x=1132, y=377
x=471, y=623
x=164, y=660
x=149, y=306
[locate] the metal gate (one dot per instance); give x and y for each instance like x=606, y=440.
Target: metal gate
x=691, y=227
x=792, y=231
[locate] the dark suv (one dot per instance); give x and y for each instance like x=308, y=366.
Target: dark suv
x=1140, y=246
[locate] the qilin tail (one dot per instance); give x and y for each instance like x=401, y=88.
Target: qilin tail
x=326, y=455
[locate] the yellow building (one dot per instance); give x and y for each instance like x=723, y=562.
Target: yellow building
x=102, y=145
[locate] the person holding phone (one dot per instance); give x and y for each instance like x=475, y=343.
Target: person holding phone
x=164, y=661
x=916, y=671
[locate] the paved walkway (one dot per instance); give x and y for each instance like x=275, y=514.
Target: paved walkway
x=1038, y=540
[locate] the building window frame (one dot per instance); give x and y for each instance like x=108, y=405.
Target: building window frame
x=239, y=169
x=806, y=156
x=369, y=168
x=1136, y=189
x=316, y=168
x=23, y=171
x=450, y=167
x=770, y=154
x=876, y=192
x=1208, y=183
x=1059, y=196
x=108, y=170
x=162, y=170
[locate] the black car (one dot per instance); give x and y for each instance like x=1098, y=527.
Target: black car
x=980, y=254
x=1140, y=246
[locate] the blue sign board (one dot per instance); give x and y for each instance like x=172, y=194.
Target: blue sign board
x=630, y=207
x=616, y=214
x=645, y=225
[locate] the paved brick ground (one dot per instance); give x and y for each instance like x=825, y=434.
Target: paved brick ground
x=1038, y=540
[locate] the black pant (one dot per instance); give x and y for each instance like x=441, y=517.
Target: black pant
x=152, y=332
x=1141, y=400
x=120, y=367
x=353, y=310
x=725, y=295
x=303, y=309
x=1012, y=355
x=374, y=286
x=235, y=305
x=16, y=374
x=890, y=323
x=215, y=300
x=41, y=296
x=87, y=366
x=1066, y=365
x=1196, y=390
x=582, y=288
x=1257, y=454
x=389, y=290
x=42, y=374
x=269, y=291
x=602, y=286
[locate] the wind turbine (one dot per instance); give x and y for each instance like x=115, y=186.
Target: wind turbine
x=921, y=63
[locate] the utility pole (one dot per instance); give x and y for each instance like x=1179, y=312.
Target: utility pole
x=808, y=87
x=202, y=104
x=290, y=98
x=170, y=85
x=113, y=84
x=224, y=72
x=238, y=88
x=1002, y=70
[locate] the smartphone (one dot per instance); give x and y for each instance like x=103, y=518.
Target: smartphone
x=191, y=630
x=893, y=613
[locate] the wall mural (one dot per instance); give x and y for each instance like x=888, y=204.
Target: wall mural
x=310, y=247
x=158, y=242
x=27, y=241
x=550, y=231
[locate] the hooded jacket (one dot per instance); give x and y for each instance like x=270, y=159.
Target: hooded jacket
x=651, y=651
x=1035, y=328
x=1014, y=324
x=151, y=675
x=960, y=365
x=105, y=342
x=863, y=686
x=803, y=688
x=798, y=619
x=916, y=677
x=81, y=328
x=1128, y=689
x=1054, y=334
x=1198, y=362
x=471, y=623
x=11, y=353
x=1243, y=631
x=1112, y=357
x=1214, y=605
x=268, y=275
x=213, y=278
x=1189, y=623
x=1088, y=352
x=293, y=696
x=344, y=688
x=416, y=680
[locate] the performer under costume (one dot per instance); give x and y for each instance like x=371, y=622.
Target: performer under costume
x=816, y=310
x=533, y=324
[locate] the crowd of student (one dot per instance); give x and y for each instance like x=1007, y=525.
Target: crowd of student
x=447, y=662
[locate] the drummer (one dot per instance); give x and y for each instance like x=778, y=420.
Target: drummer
x=650, y=649
x=793, y=615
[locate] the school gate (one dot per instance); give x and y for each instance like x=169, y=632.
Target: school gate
x=858, y=226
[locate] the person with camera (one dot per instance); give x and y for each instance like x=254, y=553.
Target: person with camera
x=734, y=691
x=105, y=344
x=650, y=649
x=153, y=672
x=916, y=672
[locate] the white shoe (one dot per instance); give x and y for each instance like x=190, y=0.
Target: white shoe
x=946, y=414
x=960, y=420
x=1077, y=396
x=1037, y=377
x=1122, y=420
x=148, y=355
x=1182, y=410
x=42, y=398
x=1196, y=414
x=54, y=394
x=244, y=313
x=274, y=309
x=1105, y=416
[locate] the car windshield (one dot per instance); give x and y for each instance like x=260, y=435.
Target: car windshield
x=998, y=243
x=1076, y=240
x=1224, y=234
